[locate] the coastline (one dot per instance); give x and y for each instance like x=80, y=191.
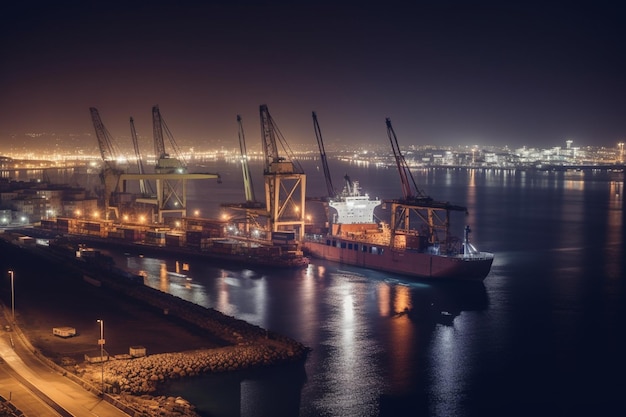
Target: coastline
x=181, y=339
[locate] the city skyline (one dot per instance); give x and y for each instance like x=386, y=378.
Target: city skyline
x=446, y=73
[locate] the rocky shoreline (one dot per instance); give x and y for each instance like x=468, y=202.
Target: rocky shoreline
x=143, y=375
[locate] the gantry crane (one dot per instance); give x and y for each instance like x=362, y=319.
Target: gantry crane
x=170, y=191
x=285, y=181
x=434, y=214
x=110, y=174
x=170, y=175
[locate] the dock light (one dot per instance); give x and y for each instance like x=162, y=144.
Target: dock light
x=77, y=213
x=95, y=215
x=12, y=296
x=125, y=217
x=196, y=213
x=101, y=343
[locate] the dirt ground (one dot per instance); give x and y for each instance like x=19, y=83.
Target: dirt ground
x=47, y=295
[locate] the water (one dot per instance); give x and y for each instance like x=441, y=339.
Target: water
x=542, y=336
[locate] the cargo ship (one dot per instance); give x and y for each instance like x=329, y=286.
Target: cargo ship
x=416, y=242
x=375, y=246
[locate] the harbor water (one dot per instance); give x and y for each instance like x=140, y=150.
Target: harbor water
x=543, y=335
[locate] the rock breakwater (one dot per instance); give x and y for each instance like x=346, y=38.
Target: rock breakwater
x=142, y=375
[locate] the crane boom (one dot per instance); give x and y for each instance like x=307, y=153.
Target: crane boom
x=320, y=143
x=105, y=144
x=159, y=127
x=271, y=137
x=268, y=136
x=285, y=181
x=410, y=191
x=110, y=174
x=142, y=183
x=157, y=131
x=247, y=182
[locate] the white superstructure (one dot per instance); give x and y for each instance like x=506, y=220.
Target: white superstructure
x=352, y=206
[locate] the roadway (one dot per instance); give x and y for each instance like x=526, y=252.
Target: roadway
x=37, y=390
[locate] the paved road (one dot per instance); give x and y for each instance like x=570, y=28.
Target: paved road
x=25, y=375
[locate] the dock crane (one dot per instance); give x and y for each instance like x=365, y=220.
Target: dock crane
x=170, y=192
x=159, y=127
x=110, y=174
x=285, y=181
x=170, y=176
x=434, y=214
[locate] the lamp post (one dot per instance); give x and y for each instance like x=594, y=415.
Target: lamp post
x=12, y=296
x=101, y=343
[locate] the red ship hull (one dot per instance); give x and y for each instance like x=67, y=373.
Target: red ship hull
x=405, y=262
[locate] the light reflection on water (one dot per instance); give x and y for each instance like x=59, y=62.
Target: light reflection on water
x=365, y=328
x=538, y=335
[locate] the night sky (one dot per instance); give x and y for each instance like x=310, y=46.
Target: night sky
x=445, y=72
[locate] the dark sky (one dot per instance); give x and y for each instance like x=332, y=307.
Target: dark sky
x=445, y=72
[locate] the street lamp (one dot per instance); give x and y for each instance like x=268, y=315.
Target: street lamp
x=101, y=343
x=12, y=296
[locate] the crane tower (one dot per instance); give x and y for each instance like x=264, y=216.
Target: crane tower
x=110, y=174
x=285, y=181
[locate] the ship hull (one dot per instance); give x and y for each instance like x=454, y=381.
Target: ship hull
x=405, y=262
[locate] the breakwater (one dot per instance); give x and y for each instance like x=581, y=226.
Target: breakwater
x=142, y=375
